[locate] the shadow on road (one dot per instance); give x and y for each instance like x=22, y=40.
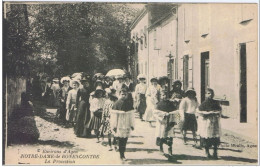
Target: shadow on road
x=230, y=158
x=56, y=143
x=140, y=149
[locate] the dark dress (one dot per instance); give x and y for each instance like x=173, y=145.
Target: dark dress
x=62, y=96
x=83, y=116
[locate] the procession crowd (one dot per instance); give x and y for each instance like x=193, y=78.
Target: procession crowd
x=107, y=105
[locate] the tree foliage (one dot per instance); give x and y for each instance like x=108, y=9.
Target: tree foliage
x=64, y=38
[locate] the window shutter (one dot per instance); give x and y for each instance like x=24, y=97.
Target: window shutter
x=181, y=70
x=145, y=36
x=190, y=71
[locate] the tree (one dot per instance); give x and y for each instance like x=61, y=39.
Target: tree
x=82, y=36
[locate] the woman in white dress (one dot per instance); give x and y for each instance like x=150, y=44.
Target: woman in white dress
x=152, y=98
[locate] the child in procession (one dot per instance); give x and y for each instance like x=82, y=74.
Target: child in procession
x=209, y=114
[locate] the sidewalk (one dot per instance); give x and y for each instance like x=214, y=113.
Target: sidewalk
x=245, y=131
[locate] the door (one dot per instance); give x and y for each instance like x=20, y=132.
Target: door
x=205, y=74
x=185, y=72
x=243, y=84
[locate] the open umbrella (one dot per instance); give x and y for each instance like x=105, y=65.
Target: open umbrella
x=115, y=72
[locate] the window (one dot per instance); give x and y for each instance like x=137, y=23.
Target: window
x=187, y=69
x=154, y=39
x=145, y=68
x=141, y=39
x=185, y=72
x=157, y=36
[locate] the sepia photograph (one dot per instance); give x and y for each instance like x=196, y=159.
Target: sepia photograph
x=129, y=83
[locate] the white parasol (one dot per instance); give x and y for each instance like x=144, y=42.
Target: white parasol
x=115, y=72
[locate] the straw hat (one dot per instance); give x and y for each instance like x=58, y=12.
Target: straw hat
x=63, y=79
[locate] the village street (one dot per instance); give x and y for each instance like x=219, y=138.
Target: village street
x=141, y=148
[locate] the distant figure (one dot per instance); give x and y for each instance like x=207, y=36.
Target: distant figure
x=71, y=107
x=55, y=88
x=152, y=98
x=21, y=124
x=119, y=84
x=82, y=103
x=209, y=123
x=140, y=99
x=128, y=83
x=62, y=96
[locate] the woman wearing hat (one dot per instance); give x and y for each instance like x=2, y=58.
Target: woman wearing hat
x=187, y=109
x=82, y=103
x=176, y=94
x=71, y=107
x=128, y=83
x=55, y=88
x=119, y=84
x=152, y=98
x=140, y=100
x=164, y=81
x=209, y=123
x=62, y=95
x=96, y=109
x=105, y=122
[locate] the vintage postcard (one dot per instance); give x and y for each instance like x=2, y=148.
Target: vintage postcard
x=103, y=83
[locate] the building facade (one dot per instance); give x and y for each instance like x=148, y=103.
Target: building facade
x=217, y=48
x=205, y=45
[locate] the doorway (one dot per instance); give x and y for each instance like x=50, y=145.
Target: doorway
x=243, y=84
x=205, y=74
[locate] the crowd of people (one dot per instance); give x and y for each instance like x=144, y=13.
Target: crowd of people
x=106, y=107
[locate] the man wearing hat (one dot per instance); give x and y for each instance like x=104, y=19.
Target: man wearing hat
x=82, y=102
